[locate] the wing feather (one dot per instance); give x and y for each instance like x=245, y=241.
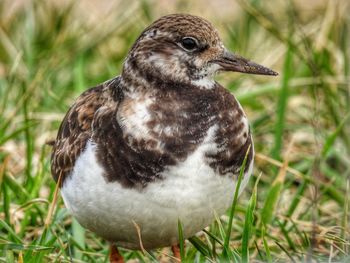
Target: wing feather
x=76, y=127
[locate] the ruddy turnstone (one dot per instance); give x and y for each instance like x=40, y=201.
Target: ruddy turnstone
x=162, y=142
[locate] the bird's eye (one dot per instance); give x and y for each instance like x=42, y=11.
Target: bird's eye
x=189, y=43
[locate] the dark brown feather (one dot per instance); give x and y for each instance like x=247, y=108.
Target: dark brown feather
x=75, y=129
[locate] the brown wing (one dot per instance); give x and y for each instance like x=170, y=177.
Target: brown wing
x=75, y=129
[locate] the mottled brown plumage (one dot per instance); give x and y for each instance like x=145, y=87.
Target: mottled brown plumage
x=153, y=133
x=75, y=129
x=141, y=161
x=175, y=96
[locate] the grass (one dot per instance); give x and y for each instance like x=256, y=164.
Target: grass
x=298, y=210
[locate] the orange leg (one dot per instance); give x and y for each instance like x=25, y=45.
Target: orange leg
x=115, y=256
x=176, y=252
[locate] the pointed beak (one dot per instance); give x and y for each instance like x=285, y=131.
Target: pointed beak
x=233, y=62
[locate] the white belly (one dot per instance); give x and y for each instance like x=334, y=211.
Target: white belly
x=191, y=192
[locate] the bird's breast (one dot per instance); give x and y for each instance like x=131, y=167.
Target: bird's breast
x=151, y=133
x=191, y=191
x=164, y=124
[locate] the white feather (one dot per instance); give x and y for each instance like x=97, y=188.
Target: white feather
x=207, y=83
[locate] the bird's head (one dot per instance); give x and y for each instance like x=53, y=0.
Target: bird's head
x=185, y=48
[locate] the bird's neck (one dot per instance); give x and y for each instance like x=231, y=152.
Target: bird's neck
x=135, y=79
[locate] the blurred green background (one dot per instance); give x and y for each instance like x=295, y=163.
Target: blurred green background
x=51, y=51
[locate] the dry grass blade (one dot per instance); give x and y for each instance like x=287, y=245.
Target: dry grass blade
x=53, y=203
x=138, y=230
x=273, y=195
x=279, y=164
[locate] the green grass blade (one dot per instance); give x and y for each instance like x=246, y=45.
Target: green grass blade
x=234, y=202
x=266, y=246
x=248, y=223
x=181, y=239
x=286, y=235
x=296, y=199
x=213, y=237
x=333, y=136
x=275, y=190
x=15, y=246
x=282, y=105
x=6, y=202
x=9, y=229
x=270, y=203
x=286, y=251
x=78, y=233
x=200, y=246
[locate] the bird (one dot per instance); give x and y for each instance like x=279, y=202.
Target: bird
x=159, y=144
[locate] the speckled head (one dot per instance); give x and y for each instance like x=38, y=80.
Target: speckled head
x=184, y=48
